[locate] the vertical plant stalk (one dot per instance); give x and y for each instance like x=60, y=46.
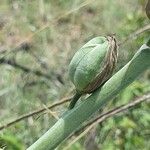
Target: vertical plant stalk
x=75, y=117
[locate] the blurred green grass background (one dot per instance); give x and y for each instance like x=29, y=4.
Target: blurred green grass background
x=52, y=31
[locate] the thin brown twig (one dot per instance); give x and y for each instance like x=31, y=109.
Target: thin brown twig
x=64, y=100
x=28, y=70
x=53, y=114
x=119, y=109
x=101, y=118
x=23, y=68
x=135, y=34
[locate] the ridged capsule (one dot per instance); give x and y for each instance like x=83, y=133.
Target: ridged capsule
x=93, y=64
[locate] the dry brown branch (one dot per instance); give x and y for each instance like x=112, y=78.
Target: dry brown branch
x=99, y=119
x=119, y=109
x=23, y=68
x=28, y=70
x=64, y=100
x=135, y=34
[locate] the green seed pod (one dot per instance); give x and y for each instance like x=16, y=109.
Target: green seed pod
x=93, y=64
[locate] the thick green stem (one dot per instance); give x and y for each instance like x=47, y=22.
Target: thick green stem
x=74, y=100
x=75, y=117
